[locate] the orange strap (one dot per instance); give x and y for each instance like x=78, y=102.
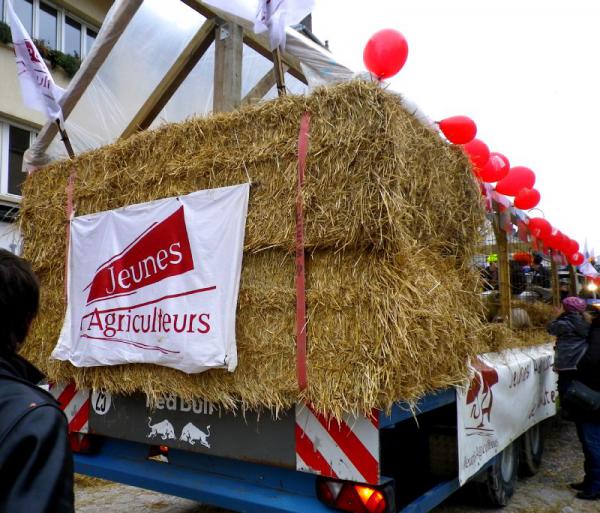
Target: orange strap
x=300, y=263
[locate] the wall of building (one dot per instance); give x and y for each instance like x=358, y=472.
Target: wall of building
x=92, y=11
x=11, y=105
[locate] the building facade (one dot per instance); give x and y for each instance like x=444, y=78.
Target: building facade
x=67, y=30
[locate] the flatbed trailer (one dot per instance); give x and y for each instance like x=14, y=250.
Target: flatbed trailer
x=409, y=458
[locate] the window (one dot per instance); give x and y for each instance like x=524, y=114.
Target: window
x=72, y=44
x=18, y=142
x=90, y=38
x=24, y=10
x=58, y=28
x=48, y=25
x=14, y=140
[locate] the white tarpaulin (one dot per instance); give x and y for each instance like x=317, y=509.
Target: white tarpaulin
x=157, y=283
x=509, y=392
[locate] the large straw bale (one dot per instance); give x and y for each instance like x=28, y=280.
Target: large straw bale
x=392, y=218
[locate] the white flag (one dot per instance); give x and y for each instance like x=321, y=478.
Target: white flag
x=268, y=15
x=587, y=269
x=37, y=86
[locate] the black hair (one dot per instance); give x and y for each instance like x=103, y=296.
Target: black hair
x=19, y=300
x=537, y=259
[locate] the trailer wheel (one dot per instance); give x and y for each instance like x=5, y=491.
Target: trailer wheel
x=532, y=448
x=497, y=484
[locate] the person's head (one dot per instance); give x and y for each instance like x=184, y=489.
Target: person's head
x=19, y=300
x=574, y=304
x=537, y=261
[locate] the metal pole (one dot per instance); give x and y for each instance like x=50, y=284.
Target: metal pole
x=64, y=137
x=279, y=73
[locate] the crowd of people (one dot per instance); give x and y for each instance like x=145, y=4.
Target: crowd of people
x=525, y=270
x=577, y=362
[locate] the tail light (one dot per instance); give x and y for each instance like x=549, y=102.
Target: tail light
x=83, y=444
x=355, y=498
x=158, y=453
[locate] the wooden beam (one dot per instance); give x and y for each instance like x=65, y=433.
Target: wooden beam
x=262, y=87
x=90, y=66
x=503, y=272
x=256, y=42
x=555, y=282
x=252, y=42
x=172, y=79
x=572, y=281
x=228, y=67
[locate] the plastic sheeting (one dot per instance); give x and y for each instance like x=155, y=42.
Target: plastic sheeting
x=194, y=97
x=145, y=50
x=150, y=44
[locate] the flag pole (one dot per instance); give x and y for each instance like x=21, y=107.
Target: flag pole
x=279, y=74
x=64, y=137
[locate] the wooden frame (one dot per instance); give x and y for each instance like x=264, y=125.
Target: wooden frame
x=227, y=90
x=172, y=79
x=503, y=271
x=121, y=17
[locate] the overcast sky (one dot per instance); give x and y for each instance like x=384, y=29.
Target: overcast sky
x=527, y=72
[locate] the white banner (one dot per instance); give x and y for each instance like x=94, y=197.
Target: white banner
x=509, y=392
x=157, y=283
x=37, y=85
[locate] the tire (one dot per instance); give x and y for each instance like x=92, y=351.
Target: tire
x=532, y=448
x=497, y=484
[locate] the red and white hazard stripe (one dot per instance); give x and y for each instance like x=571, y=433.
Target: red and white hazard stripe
x=345, y=450
x=75, y=404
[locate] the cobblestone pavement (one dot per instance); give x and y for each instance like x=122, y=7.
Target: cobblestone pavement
x=547, y=492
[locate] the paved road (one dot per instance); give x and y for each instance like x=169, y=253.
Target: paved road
x=547, y=492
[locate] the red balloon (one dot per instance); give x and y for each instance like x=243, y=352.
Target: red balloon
x=576, y=259
x=385, y=53
x=576, y=245
x=554, y=240
x=478, y=153
x=540, y=228
x=527, y=198
x=495, y=169
x=571, y=247
x=518, y=178
x=458, y=129
x=563, y=243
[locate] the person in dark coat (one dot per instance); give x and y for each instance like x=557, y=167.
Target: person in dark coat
x=36, y=465
x=540, y=275
x=571, y=330
x=588, y=423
